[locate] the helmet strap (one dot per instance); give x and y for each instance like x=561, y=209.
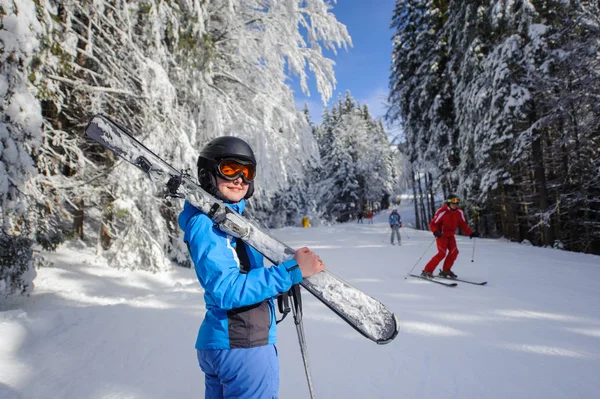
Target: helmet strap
x=250, y=190
x=208, y=181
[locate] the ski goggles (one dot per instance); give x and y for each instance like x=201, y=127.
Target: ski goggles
x=231, y=169
x=453, y=200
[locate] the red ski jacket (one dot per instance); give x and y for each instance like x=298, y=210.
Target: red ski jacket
x=446, y=220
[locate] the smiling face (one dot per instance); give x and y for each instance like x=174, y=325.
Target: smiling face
x=232, y=190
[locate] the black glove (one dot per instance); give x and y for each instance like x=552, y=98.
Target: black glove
x=437, y=233
x=474, y=235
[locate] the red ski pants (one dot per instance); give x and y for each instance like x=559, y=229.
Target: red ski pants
x=444, y=245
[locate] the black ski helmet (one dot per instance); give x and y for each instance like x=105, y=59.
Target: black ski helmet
x=216, y=150
x=451, y=197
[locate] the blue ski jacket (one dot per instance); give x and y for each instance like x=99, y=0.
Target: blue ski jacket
x=395, y=219
x=240, y=312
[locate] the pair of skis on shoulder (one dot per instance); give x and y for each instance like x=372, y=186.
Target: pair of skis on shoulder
x=362, y=312
x=437, y=280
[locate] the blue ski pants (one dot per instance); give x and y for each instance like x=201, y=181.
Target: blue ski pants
x=241, y=373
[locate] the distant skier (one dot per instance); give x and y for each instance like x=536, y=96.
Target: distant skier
x=359, y=216
x=395, y=221
x=444, y=225
x=236, y=341
x=370, y=216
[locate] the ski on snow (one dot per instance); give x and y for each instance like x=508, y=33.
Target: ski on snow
x=431, y=280
x=462, y=281
x=436, y=279
x=365, y=314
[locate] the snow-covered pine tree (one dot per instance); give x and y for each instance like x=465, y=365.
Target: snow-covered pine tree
x=20, y=139
x=339, y=186
x=177, y=73
x=511, y=95
x=421, y=94
x=567, y=124
x=358, y=167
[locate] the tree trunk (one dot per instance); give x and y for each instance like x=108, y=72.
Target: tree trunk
x=425, y=199
x=504, y=219
x=78, y=219
x=431, y=199
x=421, y=204
x=583, y=185
x=414, y=189
x=539, y=174
x=105, y=237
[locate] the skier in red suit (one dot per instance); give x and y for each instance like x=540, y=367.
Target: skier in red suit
x=443, y=226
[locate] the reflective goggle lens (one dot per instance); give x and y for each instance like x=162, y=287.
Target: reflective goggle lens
x=453, y=201
x=231, y=169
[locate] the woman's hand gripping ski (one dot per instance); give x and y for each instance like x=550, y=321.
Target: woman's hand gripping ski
x=310, y=263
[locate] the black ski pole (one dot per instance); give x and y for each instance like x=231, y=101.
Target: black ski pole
x=408, y=274
x=473, y=256
x=297, y=311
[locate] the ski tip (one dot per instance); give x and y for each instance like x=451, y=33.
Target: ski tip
x=392, y=336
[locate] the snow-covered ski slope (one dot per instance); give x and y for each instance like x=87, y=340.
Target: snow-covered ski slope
x=91, y=331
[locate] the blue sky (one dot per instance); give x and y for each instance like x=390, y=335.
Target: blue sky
x=364, y=68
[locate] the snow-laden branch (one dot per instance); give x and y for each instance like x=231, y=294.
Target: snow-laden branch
x=83, y=86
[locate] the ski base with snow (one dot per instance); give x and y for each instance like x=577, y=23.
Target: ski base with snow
x=431, y=280
x=364, y=313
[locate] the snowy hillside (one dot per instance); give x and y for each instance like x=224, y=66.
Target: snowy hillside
x=91, y=331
